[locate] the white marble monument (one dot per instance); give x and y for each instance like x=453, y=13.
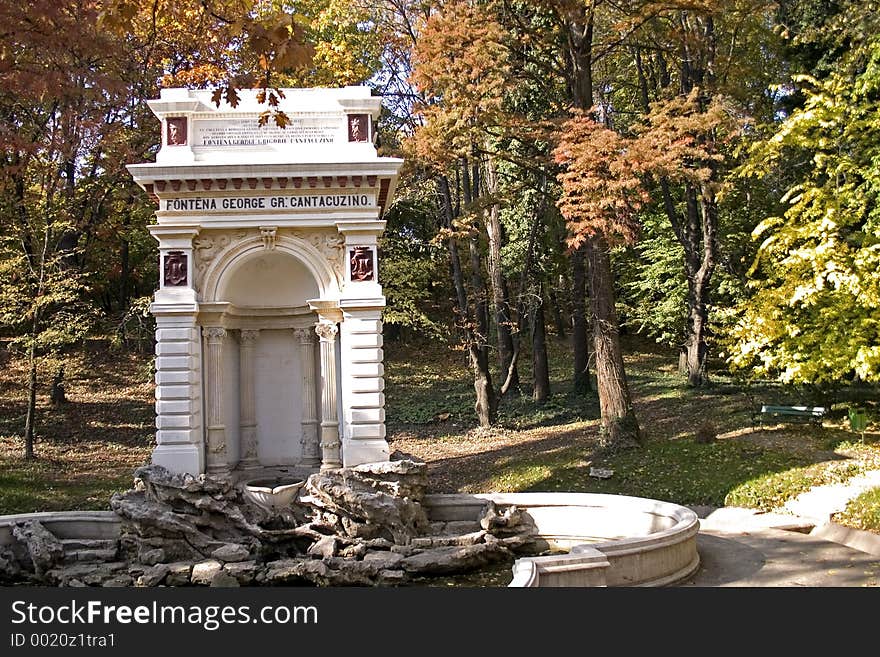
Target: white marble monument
x=268, y=311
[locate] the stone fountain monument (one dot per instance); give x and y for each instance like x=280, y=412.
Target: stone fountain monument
x=271, y=465
x=268, y=311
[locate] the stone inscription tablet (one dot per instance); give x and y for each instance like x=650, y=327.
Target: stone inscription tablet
x=255, y=203
x=248, y=132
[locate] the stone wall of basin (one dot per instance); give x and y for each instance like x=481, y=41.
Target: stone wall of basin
x=600, y=540
x=611, y=540
x=64, y=525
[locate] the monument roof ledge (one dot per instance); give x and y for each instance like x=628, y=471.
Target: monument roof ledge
x=380, y=166
x=293, y=100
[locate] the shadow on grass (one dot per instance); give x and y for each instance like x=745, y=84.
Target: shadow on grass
x=58, y=484
x=124, y=422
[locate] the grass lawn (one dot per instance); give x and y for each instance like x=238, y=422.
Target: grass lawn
x=89, y=448
x=553, y=447
x=86, y=449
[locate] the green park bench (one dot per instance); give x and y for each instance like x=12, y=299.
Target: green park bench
x=793, y=413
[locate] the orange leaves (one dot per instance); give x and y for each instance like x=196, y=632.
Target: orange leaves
x=601, y=190
x=278, y=42
x=200, y=75
x=461, y=68
x=682, y=140
x=225, y=92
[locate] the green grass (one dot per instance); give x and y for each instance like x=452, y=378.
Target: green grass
x=775, y=489
x=679, y=471
x=863, y=512
x=50, y=485
x=552, y=446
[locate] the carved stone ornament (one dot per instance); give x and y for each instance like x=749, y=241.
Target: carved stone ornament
x=175, y=269
x=304, y=335
x=214, y=333
x=207, y=248
x=326, y=331
x=267, y=233
x=176, y=131
x=249, y=336
x=331, y=246
x=216, y=446
x=361, y=264
x=358, y=127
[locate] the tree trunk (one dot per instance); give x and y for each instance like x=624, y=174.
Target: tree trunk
x=503, y=320
x=486, y=402
x=30, y=419
x=698, y=312
x=522, y=306
x=697, y=233
x=540, y=368
x=125, y=267
x=479, y=360
x=579, y=339
x=620, y=428
x=556, y=310
x=57, y=394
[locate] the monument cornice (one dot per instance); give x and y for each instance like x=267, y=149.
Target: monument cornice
x=150, y=171
x=164, y=181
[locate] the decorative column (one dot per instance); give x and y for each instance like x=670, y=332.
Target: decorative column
x=248, y=403
x=330, y=453
x=216, y=458
x=311, y=447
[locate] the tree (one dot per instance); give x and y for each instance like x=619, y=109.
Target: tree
x=58, y=84
x=682, y=142
x=813, y=316
x=601, y=195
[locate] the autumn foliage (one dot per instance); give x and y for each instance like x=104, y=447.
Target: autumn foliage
x=601, y=191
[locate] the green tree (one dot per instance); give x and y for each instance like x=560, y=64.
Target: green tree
x=814, y=313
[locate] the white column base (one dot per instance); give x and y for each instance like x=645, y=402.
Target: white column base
x=356, y=452
x=179, y=459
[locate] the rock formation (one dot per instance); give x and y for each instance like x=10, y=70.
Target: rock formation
x=350, y=526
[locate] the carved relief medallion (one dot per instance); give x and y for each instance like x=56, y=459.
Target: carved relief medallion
x=361, y=263
x=175, y=269
x=176, y=135
x=358, y=127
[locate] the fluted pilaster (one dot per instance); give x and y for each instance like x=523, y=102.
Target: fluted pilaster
x=330, y=452
x=216, y=454
x=248, y=406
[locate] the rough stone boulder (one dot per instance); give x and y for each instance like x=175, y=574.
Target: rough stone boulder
x=10, y=568
x=184, y=517
x=44, y=549
x=371, y=500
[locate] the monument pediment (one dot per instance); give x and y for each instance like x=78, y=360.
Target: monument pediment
x=220, y=160
x=323, y=125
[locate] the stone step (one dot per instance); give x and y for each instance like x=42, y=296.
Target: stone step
x=75, y=556
x=88, y=543
x=81, y=549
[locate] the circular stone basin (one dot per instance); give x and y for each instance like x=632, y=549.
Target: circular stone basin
x=598, y=539
x=273, y=493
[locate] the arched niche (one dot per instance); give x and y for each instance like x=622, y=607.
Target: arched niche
x=266, y=279
x=309, y=273
x=265, y=293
